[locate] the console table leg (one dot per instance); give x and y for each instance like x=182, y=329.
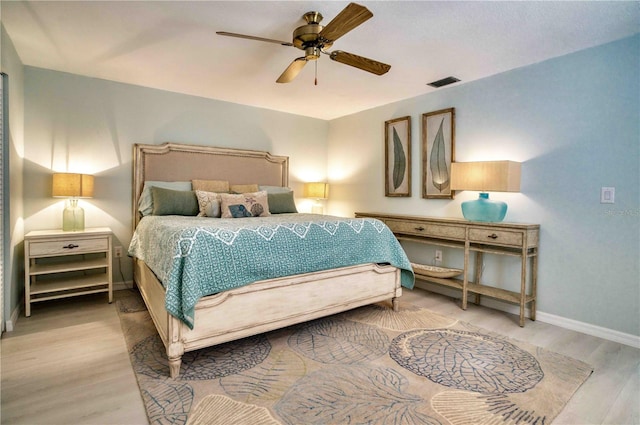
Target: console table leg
x=465, y=279
x=523, y=284
x=478, y=272
x=534, y=285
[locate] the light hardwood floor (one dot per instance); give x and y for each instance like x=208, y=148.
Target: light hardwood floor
x=68, y=364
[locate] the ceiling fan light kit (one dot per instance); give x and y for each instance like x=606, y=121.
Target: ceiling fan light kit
x=315, y=39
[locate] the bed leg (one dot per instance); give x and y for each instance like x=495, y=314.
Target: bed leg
x=395, y=303
x=174, y=353
x=174, y=367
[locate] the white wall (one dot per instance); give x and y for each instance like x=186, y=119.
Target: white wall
x=14, y=266
x=573, y=122
x=81, y=124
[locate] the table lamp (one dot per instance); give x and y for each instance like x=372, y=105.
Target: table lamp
x=488, y=176
x=316, y=191
x=72, y=186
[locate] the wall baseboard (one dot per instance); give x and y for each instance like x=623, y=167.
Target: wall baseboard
x=9, y=325
x=120, y=286
x=589, y=329
x=552, y=319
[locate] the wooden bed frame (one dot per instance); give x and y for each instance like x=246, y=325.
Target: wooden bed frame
x=262, y=306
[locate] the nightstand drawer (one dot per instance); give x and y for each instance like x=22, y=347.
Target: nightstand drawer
x=426, y=230
x=68, y=247
x=498, y=237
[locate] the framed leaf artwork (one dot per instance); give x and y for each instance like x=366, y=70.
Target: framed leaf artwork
x=438, y=141
x=397, y=160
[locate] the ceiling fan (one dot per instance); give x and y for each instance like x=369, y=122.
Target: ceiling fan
x=314, y=39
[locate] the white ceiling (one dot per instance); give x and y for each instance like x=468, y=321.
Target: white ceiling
x=172, y=45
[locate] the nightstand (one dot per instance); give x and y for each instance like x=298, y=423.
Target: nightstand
x=61, y=264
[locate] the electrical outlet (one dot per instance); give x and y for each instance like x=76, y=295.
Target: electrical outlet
x=438, y=256
x=117, y=250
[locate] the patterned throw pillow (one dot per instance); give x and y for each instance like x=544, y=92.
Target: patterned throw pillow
x=209, y=204
x=253, y=204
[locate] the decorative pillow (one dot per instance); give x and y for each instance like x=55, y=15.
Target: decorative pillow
x=174, y=202
x=253, y=204
x=281, y=203
x=244, y=188
x=275, y=189
x=219, y=186
x=145, y=203
x=209, y=204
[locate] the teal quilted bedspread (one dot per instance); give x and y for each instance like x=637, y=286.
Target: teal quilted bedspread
x=196, y=256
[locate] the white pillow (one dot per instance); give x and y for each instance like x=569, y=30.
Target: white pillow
x=145, y=203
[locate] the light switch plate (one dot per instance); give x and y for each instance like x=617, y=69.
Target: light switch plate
x=607, y=195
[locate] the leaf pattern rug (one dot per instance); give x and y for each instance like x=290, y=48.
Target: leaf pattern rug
x=370, y=365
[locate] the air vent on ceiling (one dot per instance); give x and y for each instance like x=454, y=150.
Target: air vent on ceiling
x=444, y=82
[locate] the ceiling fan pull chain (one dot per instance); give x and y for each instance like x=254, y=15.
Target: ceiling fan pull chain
x=316, y=80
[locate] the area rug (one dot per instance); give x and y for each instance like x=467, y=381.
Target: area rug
x=370, y=365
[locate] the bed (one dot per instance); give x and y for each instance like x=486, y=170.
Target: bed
x=260, y=306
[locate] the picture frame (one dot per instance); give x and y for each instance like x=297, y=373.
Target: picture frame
x=397, y=159
x=438, y=152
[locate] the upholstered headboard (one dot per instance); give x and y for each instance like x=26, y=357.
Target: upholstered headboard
x=181, y=162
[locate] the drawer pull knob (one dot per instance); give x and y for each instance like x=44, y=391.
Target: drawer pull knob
x=70, y=246
x=419, y=229
x=493, y=236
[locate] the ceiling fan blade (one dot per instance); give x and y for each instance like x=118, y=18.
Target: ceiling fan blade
x=350, y=17
x=360, y=62
x=251, y=37
x=292, y=71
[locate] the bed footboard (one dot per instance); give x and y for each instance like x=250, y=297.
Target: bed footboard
x=266, y=305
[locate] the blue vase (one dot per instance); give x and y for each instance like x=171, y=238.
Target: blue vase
x=484, y=209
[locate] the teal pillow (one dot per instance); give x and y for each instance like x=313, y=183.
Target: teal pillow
x=174, y=202
x=281, y=203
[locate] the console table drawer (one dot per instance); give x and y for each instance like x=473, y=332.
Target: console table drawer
x=427, y=230
x=68, y=247
x=499, y=237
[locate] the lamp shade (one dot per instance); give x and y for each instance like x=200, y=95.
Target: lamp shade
x=72, y=185
x=488, y=176
x=316, y=190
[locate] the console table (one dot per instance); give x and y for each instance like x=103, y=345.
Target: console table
x=515, y=239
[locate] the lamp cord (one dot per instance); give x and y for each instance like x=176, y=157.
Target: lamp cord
x=122, y=275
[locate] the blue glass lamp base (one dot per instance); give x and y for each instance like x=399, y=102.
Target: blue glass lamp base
x=484, y=209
